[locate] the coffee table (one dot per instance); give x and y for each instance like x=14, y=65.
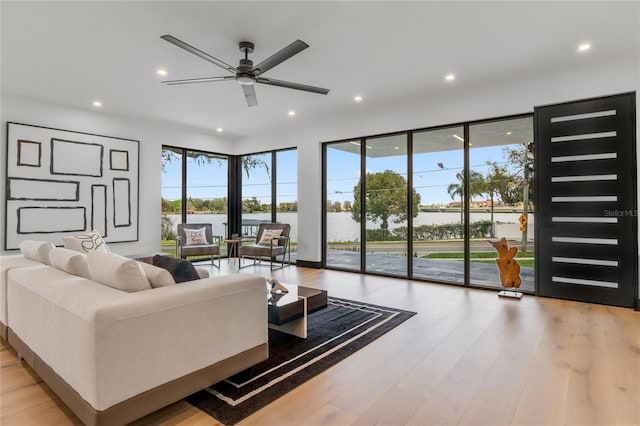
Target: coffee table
x=288, y=311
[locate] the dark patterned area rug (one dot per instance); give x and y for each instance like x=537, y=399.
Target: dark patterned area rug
x=333, y=334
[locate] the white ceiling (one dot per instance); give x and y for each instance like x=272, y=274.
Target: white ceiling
x=72, y=53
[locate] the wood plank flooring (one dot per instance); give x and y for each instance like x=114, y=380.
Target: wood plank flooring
x=467, y=358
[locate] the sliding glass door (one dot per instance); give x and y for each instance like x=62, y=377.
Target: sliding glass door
x=432, y=201
x=438, y=229
x=386, y=207
x=501, y=192
x=342, y=217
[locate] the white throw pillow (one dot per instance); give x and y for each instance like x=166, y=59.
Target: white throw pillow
x=69, y=261
x=85, y=243
x=36, y=250
x=117, y=271
x=196, y=237
x=158, y=277
x=268, y=237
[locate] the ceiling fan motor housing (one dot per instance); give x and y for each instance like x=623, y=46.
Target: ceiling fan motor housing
x=244, y=75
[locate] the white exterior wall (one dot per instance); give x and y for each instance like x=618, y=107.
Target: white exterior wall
x=152, y=135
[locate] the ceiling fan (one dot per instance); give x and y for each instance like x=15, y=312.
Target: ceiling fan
x=245, y=73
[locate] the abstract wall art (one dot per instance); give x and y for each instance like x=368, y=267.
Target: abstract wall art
x=61, y=182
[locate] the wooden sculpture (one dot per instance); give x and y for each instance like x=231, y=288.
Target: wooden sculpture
x=508, y=266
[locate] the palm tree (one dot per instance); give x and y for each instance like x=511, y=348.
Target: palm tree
x=476, y=184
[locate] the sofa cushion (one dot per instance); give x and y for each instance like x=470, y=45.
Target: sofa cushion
x=182, y=270
x=117, y=271
x=158, y=277
x=85, y=243
x=69, y=261
x=36, y=250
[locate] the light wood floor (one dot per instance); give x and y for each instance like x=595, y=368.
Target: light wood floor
x=467, y=358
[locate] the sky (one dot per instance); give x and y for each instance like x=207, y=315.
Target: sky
x=209, y=180
x=430, y=179
x=433, y=172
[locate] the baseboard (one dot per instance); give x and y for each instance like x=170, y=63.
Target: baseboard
x=308, y=264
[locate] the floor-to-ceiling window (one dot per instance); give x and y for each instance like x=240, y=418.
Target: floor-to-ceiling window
x=501, y=190
x=342, y=231
x=386, y=207
x=256, y=191
x=171, y=209
x=430, y=202
x=194, y=190
x=438, y=228
x=287, y=192
x=270, y=191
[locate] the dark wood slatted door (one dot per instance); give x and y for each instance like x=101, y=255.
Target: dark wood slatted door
x=586, y=242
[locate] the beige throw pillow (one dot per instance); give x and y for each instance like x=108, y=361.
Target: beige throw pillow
x=196, y=237
x=36, y=250
x=85, y=243
x=268, y=237
x=69, y=261
x=117, y=271
x=157, y=277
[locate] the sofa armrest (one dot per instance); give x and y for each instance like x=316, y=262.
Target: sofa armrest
x=162, y=334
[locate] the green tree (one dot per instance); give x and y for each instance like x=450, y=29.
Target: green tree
x=218, y=205
x=476, y=187
x=523, y=161
x=386, y=199
x=495, y=182
x=251, y=205
x=166, y=206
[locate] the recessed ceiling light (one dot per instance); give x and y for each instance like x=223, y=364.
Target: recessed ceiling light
x=97, y=104
x=219, y=129
x=161, y=72
x=396, y=147
x=509, y=133
x=459, y=138
x=584, y=47
x=291, y=113
x=450, y=77
x=357, y=98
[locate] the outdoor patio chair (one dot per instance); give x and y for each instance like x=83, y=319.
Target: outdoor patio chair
x=197, y=239
x=271, y=242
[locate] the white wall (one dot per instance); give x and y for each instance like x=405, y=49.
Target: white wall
x=152, y=135
x=452, y=106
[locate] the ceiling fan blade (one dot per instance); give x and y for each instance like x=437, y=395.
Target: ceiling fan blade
x=279, y=57
x=199, y=80
x=250, y=95
x=291, y=85
x=198, y=52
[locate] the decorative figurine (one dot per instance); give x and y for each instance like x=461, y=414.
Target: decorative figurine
x=276, y=287
x=508, y=267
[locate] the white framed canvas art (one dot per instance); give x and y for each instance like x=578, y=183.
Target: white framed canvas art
x=61, y=182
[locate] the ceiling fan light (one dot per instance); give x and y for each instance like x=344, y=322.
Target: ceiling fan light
x=245, y=80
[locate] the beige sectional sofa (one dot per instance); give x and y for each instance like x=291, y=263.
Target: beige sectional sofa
x=114, y=356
